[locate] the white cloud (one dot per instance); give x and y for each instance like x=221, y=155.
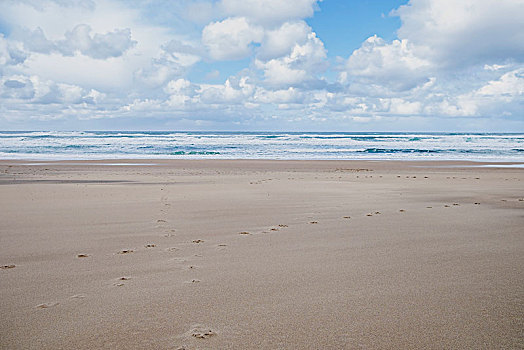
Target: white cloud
x=174, y=59
x=17, y=87
x=234, y=90
x=465, y=32
x=100, y=46
x=503, y=96
x=37, y=91
x=300, y=66
x=177, y=86
x=395, y=64
x=280, y=41
x=509, y=85
x=104, y=29
x=138, y=105
x=451, y=58
x=290, y=95
x=495, y=67
x=79, y=40
x=401, y=106
x=231, y=38
x=270, y=12
x=11, y=53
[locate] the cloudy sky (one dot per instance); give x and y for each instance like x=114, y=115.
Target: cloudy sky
x=266, y=65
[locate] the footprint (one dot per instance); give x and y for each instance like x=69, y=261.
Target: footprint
x=273, y=229
x=281, y=225
x=369, y=214
x=346, y=217
x=82, y=255
x=429, y=207
x=125, y=251
x=377, y=212
x=193, y=281
x=150, y=245
x=198, y=241
x=244, y=233
x=5, y=267
x=124, y=278
x=222, y=245
x=477, y=203
x=456, y=204
x=160, y=220
x=313, y=222
x=446, y=206
x=46, y=305
x=402, y=210
x=200, y=332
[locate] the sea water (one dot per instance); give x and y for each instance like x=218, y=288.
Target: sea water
x=60, y=145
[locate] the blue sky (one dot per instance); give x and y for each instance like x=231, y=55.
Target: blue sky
x=294, y=65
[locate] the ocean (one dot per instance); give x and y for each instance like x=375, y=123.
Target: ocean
x=63, y=145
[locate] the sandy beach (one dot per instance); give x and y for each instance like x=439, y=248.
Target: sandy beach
x=219, y=254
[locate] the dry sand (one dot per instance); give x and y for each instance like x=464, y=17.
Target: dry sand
x=261, y=255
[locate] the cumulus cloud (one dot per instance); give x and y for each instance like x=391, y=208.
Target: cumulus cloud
x=289, y=95
x=17, y=87
x=100, y=46
x=174, y=59
x=231, y=38
x=11, y=53
x=280, y=41
x=270, y=12
x=465, y=32
x=180, y=92
x=393, y=64
x=299, y=66
x=437, y=37
x=234, y=90
x=509, y=85
x=32, y=89
x=273, y=26
x=78, y=40
x=459, y=59
x=502, y=96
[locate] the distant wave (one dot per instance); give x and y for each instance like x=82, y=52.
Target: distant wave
x=260, y=145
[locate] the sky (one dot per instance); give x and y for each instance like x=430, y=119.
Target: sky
x=262, y=65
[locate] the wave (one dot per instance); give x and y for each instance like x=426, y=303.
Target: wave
x=267, y=145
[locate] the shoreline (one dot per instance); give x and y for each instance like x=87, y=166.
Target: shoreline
x=141, y=161
x=163, y=160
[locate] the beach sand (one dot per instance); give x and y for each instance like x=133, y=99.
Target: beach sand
x=218, y=254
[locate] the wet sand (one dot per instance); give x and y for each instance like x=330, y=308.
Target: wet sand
x=166, y=254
